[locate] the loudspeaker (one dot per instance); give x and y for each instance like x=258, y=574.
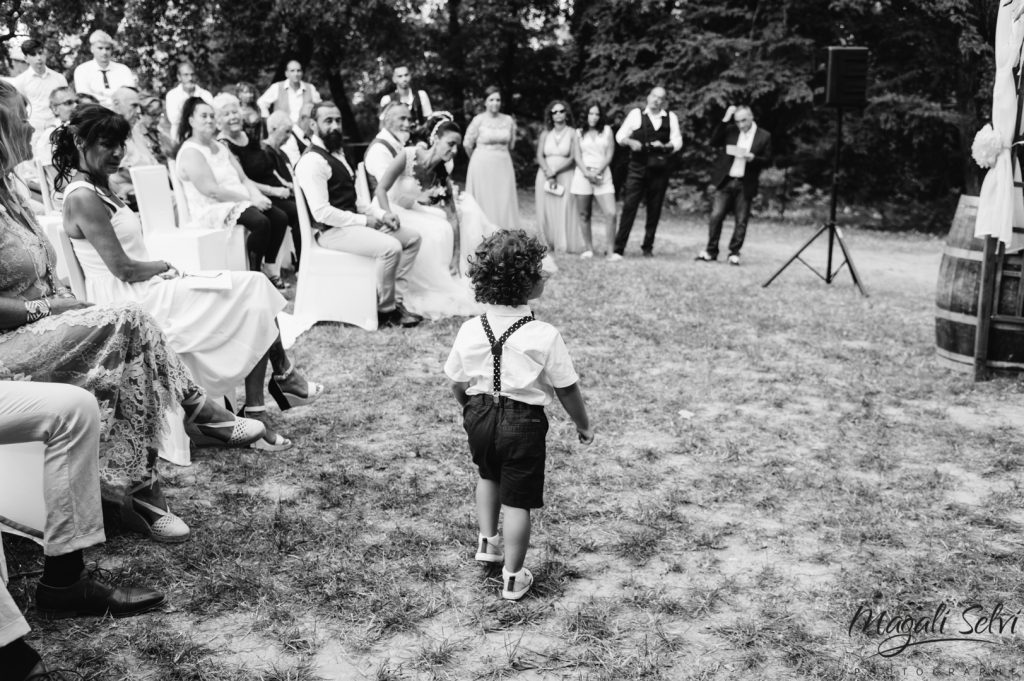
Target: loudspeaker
x=840, y=77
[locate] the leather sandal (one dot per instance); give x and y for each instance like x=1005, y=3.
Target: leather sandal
x=286, y=400
x=278, y=444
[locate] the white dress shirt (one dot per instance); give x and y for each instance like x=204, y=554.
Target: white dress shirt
x=295, y=98
x=312, y=173
x=290, y=147
x=89, y=79
x=175, y=101
x=633, y=123
x=378, y=158
x=37, y=89
x=744, y=142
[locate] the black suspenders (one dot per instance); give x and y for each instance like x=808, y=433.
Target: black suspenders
x=496, y=347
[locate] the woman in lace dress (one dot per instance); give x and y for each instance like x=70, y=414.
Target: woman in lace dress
x=557, y=217
x=490, y=178
x=225, y=336
x=115, y=352
x=218, y=193
x=417, y=188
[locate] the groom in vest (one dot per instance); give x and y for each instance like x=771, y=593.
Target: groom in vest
x=328, y=183
x=289, y=95
x=652, y=136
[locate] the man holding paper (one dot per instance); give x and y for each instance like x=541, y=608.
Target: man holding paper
x=744, y=150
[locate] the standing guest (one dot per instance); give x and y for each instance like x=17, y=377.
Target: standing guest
x=100, y=76
x=115, y=352
x=491, y=178
x=290, y=94
x=652, y=143
x=300, y=136
x=393, y=136
x=62, y=103
x=328, y=183
x=258, y=164
x=225, y=337
x=557, y=218
x=219, y=194
x=743, y=151
x=67, y=420
x=37, y=83
x=503, y=394
x=186, y=87
x=137, y=152
x=18, y=64
x=417, y=100
x=592, y=178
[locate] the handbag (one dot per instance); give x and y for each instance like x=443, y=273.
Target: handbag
x=553, y=188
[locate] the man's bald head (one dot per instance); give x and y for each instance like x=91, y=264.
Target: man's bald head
x=125, y=101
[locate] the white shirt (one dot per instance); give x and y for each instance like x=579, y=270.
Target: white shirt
x=295, y=98
x=312, y=173
x=534, y=359
x=744, y=142
x=89, y=79
x=37, y=89
x=424, y=101
x=378, y=158
x=291, y=148
x=175, y=101
x=633, y=123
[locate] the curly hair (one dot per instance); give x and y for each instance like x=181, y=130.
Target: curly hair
x=90, y=124
x=549, y=120
x=506, y=267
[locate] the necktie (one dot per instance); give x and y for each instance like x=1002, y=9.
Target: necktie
x=106, y=83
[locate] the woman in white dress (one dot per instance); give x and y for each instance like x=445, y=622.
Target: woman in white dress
x=224, y=330
x=218, y=193
x=557, y=216
x=417, y=188
x=592, y=178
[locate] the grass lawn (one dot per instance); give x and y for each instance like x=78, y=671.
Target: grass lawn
x=767, y=460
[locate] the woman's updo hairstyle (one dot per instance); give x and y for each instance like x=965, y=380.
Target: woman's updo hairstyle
x=187, y=109
x=90, y=124
x=435, y=127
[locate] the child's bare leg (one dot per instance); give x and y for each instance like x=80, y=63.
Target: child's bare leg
x=487, y=506
x=517, y=537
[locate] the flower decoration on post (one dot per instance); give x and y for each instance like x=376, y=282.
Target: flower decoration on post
x=987, y=146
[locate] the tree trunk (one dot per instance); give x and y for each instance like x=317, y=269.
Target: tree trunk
x=340, y=97
x=457, y=60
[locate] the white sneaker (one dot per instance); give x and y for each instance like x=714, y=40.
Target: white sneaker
x=734, y=259
x=586, y=255
x=613, y=257
x=489, y=550
x=515, y=584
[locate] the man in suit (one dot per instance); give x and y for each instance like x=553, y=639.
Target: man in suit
x=652, y=136
x=743, y=150
x=328, y=183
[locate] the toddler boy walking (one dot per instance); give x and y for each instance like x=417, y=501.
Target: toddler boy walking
x=505, y=367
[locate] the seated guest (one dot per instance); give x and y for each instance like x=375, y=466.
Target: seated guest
x=67, y=420
x=137, y=152
x=258, y=164
x=46, y=335
x=417, y=188
x=328, y=183
x=225, y=336
x=393, y=136
x=301, y=134
x=289, y=95
x=62, y=103
x=101, y=76
x=218, y=193
x=252, y=118
x=155, y=127
x=186, y=87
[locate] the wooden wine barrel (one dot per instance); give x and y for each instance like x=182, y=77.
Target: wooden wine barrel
x=956, y=300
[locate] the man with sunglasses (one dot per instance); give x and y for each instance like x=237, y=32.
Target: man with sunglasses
x=62, y=103
x=743, y=150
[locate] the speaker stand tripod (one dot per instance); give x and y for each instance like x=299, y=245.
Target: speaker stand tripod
x=835, y=235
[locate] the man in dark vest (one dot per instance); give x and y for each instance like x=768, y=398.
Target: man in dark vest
x=328, y=183
x=652, y=136
x=417, y=100
x=393, y=136
x=289, y=95
x=743, y=150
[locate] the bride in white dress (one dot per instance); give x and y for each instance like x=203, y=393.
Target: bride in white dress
x=416, y=187
x=223, y=329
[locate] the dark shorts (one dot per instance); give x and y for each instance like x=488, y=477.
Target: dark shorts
x=507, y=443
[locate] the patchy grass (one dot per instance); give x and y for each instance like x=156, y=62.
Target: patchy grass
x=767, y=460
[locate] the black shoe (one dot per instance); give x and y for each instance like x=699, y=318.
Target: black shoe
x=648, y=253
x=90, y=596
x=405, y=318
x=386, y=319
x=43, y=673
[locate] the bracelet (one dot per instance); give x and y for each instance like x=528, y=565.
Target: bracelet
x=37, y=309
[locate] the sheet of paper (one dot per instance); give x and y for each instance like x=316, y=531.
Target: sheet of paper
x=734, y=150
